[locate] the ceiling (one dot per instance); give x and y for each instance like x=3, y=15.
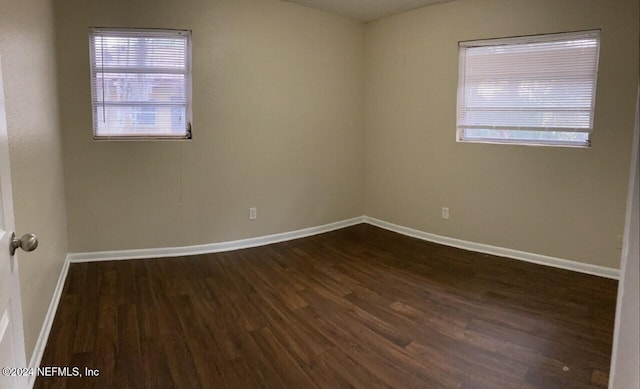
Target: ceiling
x=365, y=10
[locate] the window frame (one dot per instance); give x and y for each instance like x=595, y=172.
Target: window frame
x=139, y=32
x=524, y=39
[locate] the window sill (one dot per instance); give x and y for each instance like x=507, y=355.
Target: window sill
x=586, y=145
x=142, y=138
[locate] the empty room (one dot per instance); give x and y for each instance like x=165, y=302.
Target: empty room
x=319, y=193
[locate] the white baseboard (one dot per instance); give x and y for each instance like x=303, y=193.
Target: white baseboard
x=41, y=343
x=499, y=251
x=211, y=247
x=285, y=236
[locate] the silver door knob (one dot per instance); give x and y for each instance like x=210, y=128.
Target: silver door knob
x=28, y=242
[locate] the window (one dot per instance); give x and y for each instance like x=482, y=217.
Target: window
x=528, y=90
x=140, y=83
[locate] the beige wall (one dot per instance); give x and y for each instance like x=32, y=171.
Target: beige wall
x=281, y=102
x=561, y=202
x=28, y=68
x=277, y=124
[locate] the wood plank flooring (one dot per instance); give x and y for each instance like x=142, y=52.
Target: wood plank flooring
x=358, y=307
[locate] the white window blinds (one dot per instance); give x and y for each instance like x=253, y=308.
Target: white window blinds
x=536, y=89
x=140, y=83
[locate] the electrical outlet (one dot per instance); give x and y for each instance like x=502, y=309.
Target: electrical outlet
x=253, y=213
x=445, y=213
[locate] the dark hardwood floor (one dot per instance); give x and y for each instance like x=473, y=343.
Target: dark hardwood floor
x=359, y=307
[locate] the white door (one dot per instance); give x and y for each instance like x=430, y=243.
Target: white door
x=12, y=353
